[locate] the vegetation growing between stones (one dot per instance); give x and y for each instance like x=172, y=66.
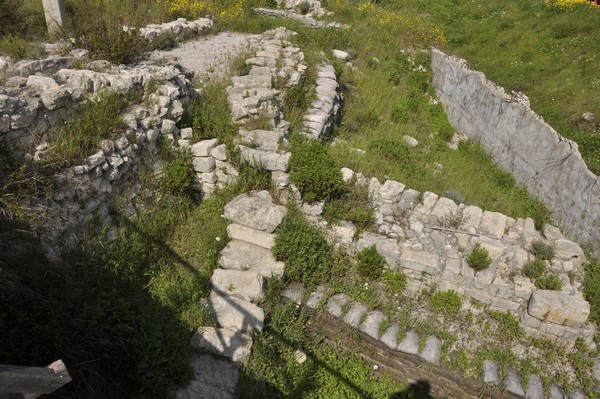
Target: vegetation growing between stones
x=352, y=205
x=97, y=119
x=479, y=258
x=370, y=263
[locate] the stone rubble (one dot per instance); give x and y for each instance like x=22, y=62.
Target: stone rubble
x=298, y=17
x=324, y=112
x=180, y=28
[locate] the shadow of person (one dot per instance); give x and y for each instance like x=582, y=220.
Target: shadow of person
x=418, y=390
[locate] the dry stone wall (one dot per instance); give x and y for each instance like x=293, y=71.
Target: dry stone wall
x=547, y=164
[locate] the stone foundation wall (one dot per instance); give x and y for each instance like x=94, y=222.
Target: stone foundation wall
x=541, y=160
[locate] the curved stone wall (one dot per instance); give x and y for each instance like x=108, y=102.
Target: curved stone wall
x=541, y=160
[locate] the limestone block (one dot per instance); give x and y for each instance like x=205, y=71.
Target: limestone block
x=240, y=232
x=513, y=382
x=484, y=278
x=559, y=307
x=491, y=372
x=40, y=83
x=355, y=314
x=313, y=209
x=410, y=141
x=433, y=350
x=241, y=255
x=247, y=285
x=568, y=250
x=535, y=388
x=255, y=211
x=524, y=287
x=203, y=148
x=341, y=55
x=55, y=98
x=429, y=200
x=344, y=231
x=54, y=11
x=269, y=160
x=236, y=314
x=347, y=174
x=315, y=297
x=96, y=159
x=391, y=189
x=493, y=224
x=389, y=337
x=219, y=153
x=294, y=292
x=387, y=247
x=556, y=392
x=444, y=207
x=421, y=261
x=552, y=233
x=266, y=139
x=370, y=325
x=233, y=345
x=410, y=343
x=336, y=303
x=203, y=164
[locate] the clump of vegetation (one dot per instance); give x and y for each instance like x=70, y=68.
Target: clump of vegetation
x=509, y=327
x=17, y=48
x=591, y=289
x=453, y=220
x=98, y=119
x=314, y=171
x=209, y=115
x=178, y=174
x=541, y=250
x=395, y=281
x=549, y=282
x=352, y=205
x=370, y=263
x=454, y=195
x=303, y=248
x=447, y=302
x=304, y=7
x=534, y=269
x=479, y=258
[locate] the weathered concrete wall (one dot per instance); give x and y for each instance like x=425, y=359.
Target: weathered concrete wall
x=541, y=160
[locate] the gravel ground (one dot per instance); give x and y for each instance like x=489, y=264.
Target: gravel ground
x=208, y=57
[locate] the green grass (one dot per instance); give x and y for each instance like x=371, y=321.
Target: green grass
x=97, y=119
x=17, y=48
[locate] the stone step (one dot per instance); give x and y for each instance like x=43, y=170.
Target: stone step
x=556, y=392
x=433, y=350
x=233, y=345
x=535, y=388
x=214, y=377
x=257, y=237
x=315, y=297
x=247, y=285
x=513, y=382
x=491, y=372
x=410, y=343
x=389, y=337
x=370, y=325
x=267, y=140
x=241, y=255
x=236, y=314
x=271, y=161
x=255, y=210
x=355, y=314
x=335, y=304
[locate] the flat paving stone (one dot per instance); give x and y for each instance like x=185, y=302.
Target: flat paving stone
x=513, y=382
x=241, y=255
x=294, y=292
x=410, y=343
x=577, y=394
x=336, y=303
x=247, y=285
x=372, y=322
x=491, y=372
x=432, y=350
x=389, y=337
x=233, y=345
x=236, y=314
x=535, y=388
x=214, y=378
x=255, y=210
x=315, y=297
x=355, y=314
x=556, y=392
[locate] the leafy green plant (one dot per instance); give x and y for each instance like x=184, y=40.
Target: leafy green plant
x=447, y=302
x=549, y=282
x=314, y=171
x=352, y=205
x=178, y=174
x=541, y=250
x=96, y=120
x=304, y=7
x=534, y=269
x=479, y=258
x=509, y=327
x=303, y=248
x=395, y=281
x=370, y=263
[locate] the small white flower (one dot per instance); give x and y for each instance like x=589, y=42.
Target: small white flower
x=223, y=216
x=218, y=238
x=375, y=367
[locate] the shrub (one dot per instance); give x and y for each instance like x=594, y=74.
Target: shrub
x=534, y=269
x=303, y=248
x=96, y=120
x=98, y=28
x=479, y=258
x=455, y=196
x=447, y=303
x=541, y=250
x=370, y=263
x=549, y=282
x=178, y=174
x=502, y=178
x=395, y=281
x=314, y=171
x=304, y=7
